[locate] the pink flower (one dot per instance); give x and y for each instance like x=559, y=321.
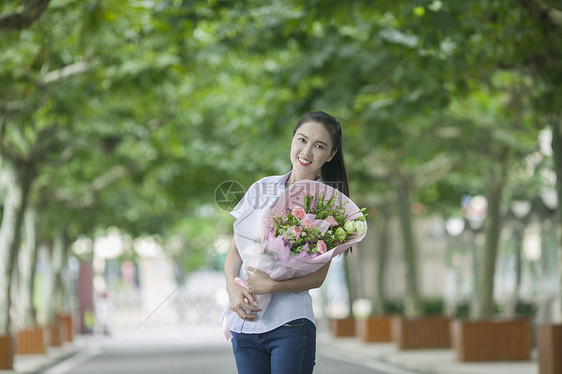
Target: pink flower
x=296, y=231
x=308, y=224
x=298, y=212
x=321, y=245
x=331, y=221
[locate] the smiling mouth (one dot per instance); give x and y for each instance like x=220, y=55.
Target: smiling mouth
x=304, y=161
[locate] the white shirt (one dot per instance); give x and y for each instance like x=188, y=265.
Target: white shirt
x=284, y=307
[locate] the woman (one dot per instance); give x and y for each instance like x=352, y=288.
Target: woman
x=283, y=340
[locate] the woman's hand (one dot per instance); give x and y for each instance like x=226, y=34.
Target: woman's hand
x=259, y=282
x=242, y=302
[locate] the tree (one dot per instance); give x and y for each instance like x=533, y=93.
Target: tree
x=39, y=119
x=18, y=175
x=545, y=44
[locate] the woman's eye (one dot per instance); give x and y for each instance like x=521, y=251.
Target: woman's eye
x=319, y=146
x=302, y=140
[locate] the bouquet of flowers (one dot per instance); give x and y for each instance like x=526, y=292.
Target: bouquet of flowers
x=304, y=229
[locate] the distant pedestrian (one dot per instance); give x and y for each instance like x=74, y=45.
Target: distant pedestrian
x=104, y=313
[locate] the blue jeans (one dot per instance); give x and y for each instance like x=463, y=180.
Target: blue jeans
x=289, y=349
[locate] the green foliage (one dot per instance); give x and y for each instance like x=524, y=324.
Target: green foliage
x=136, y=111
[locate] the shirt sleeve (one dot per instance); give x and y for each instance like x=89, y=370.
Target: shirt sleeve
x=246, y=203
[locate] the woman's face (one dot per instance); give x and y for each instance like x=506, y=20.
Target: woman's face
x=310, y=149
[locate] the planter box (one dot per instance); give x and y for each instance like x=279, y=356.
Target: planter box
x=6, y=352
x=490, y=340
x=67, y=328
x=54, y=332
x=30, y=342
x=549, y=347
x=343, y=327
x=421, y=333
x=374, y=329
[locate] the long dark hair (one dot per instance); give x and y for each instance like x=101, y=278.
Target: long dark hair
x=333, y=172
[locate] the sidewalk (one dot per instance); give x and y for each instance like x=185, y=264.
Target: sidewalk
x=435, y=361
x=83, y=347
x=35, y=363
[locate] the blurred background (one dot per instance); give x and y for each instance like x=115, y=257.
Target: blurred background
x=129, y=129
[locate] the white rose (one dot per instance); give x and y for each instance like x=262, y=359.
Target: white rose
x=340, y=234
x=361, y=227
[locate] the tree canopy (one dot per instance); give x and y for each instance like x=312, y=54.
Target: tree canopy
x=131, y=113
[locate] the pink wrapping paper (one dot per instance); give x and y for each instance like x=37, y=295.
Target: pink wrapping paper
x=259, y=249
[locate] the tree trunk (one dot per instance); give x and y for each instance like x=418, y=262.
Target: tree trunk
x=557, y=155
x=31, y=12
x=56, y=302
x=16, y=181
x=517, y=239
x=412, y=301
x=484, y=306
x=383, y=227
x=27, y=260
x=518, y=268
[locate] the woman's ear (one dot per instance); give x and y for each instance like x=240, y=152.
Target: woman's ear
x=332, y=154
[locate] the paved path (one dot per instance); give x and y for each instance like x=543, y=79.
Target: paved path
x=166, y=360
x=214, y=356
x=204, y=350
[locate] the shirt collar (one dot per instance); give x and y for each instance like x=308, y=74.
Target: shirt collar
x=283, y=179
